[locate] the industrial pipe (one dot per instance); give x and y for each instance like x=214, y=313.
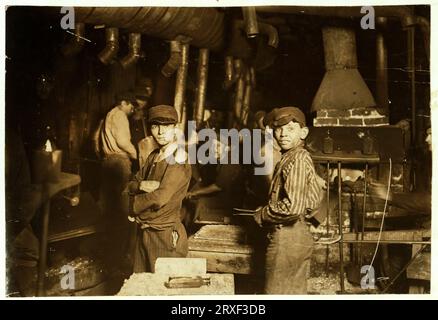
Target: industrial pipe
x=341, y=72
x=174, y=61
x=108, y=54
x=229, y=72
x=250, y=19
x=76, y=44
x=239, y=93
x=381, y=67
x=246, y=98
x=134, y=50
x=205, y=26
x=271, y=32
x=181, y=80
x=411, y=72
x=202, y=85
x=424, y=25
x=404, y=13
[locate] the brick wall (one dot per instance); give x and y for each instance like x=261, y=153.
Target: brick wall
x=356, y=117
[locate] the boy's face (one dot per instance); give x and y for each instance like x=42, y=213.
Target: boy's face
x=163, y=133
x=290, y=135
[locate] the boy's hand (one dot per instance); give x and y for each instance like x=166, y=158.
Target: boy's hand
x=149, y=185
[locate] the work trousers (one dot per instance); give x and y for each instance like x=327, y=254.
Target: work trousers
x=152, y=244
x=116, y=173
x=288, y=259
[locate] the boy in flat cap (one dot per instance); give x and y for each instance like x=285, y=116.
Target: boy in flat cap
x=157, y=194
x=294, y=191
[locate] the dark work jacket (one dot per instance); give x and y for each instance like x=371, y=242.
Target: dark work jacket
x=160, y=209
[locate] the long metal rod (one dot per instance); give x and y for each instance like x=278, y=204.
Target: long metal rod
x=381, y=68
x=411, y=68
x=365, y=177
x=43, y=250
x=387, y=241
x=341, y=234
x=404, y=268
x=202, y=85
x=181, y=81
x=246, y=99
x=250, y=18
x=239, y=94
x=327, y=249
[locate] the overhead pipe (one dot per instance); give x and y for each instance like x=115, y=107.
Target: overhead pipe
x=108, y=54
x=252, y=74
x=404, y=13
x=382, y=98
x=201, y=91
x=205, y=26
x=174, y=61
x=76, y=44
x=229, y=72
x=411, y=72
x=134, y=51
x=424, y=25
x=271, y=32
x=181, y=81
x=250, y=19
x=264, y=28
x=239, y=92
x=246, y=98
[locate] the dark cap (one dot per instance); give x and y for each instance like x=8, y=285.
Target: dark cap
x=284, y=115
x=127, y=96
x=162, y=114
x=269, y=118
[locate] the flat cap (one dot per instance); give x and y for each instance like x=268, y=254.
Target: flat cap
x=284, y=115
x=269, y=117
x=162, y=114
x=127, y=96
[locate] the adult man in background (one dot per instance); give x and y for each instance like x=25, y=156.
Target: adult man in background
x=118, y=152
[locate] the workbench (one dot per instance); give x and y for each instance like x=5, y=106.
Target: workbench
x=227, y=249
x=47, y=191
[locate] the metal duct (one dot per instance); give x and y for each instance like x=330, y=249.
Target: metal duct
x=181, y=81
x=77, y=43
x=250, y=18
x=108, y=54
x=204, y=26
x=246, y=98
x=404, y=13
x=229, y=72
x=201, y=90
x=174, y=61
x=342, y=86
x=239, y=93
x=424, y=25
x=134, y=50
x=271, y=32
x=381, y=66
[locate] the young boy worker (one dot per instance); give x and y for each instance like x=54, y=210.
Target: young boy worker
x=293, y=193
x=158, y=191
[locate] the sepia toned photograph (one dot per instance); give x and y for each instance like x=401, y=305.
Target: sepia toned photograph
x=180, y=151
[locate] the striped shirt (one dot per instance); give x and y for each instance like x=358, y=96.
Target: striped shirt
x=294, y=188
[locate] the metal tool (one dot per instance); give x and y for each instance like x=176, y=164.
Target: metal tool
x=187, y=282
